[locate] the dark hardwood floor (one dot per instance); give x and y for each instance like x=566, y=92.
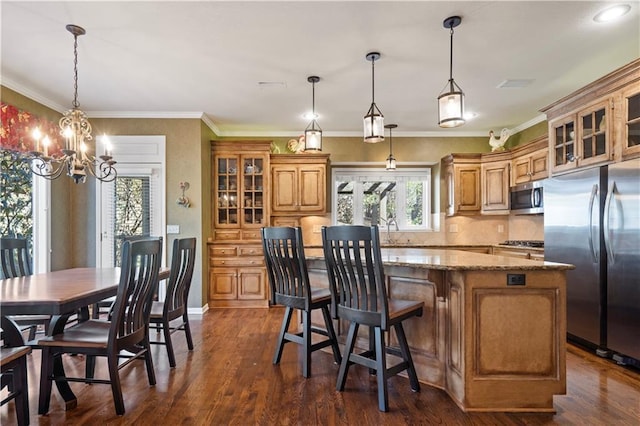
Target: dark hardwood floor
x=229, y=379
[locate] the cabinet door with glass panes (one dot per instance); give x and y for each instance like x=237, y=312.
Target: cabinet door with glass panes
x=253, y=199
x=562, y=133
x=594, y=142
x=630, y=139
x=228, y=180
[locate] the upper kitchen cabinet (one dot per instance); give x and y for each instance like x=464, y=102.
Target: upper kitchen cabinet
x=597, y=124
x=530, y=161
x=495, y=183
x=299, y=184
x=631, y=116
x=462, y=179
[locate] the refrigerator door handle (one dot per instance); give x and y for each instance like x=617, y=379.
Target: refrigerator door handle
x=608, y=244
x=592, y=250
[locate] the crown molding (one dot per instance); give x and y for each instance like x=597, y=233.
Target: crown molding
x=25, y=91
x=526, y=125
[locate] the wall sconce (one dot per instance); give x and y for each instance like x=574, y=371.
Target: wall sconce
x=183, y=200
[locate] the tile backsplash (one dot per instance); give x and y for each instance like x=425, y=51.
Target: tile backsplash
x=457, y=230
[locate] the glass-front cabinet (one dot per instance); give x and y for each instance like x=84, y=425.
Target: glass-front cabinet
x=239, y=194
x=631, y=117
x=583, y=138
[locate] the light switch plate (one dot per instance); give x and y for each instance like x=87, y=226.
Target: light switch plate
x=173, y=229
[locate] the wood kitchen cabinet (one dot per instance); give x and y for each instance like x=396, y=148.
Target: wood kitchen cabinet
x=630, y=138
x=462, y=177
x=240, y=207
x=530, y=161
x=593, y=125
x=495, y=184
x=299, y=184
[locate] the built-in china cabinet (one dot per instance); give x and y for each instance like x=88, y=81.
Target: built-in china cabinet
x=241, y=203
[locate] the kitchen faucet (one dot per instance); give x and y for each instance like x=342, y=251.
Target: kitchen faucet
x=391, y=221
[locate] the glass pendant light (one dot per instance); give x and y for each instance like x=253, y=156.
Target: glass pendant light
x=451, y=100
x=373, y=120
x=313, y=132
x=391, y=161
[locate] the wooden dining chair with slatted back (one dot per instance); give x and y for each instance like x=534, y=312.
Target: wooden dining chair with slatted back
x=13, y=363
x=103, y=307
x=358, y=290
x=16, y=262
x=175, y=304
x=126, y=335
x=290, y=287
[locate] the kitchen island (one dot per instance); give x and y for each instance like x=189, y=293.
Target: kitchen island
x=493, y=330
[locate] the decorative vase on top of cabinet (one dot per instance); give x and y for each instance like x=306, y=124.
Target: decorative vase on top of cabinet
x=240, y=207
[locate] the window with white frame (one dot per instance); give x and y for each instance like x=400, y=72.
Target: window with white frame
x=398, y=199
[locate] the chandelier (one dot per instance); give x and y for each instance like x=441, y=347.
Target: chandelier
x=76, y=131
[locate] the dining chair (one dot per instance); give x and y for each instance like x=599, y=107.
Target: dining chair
x=16, y=262
x=358, y=291
x=126, y=331
x=176, y=298
x=104, y=306
x=289, y=284
x=13, y=364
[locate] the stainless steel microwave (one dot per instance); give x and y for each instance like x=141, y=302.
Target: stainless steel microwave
x=527, y=198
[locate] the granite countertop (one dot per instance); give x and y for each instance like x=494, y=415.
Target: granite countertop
x=449, y=260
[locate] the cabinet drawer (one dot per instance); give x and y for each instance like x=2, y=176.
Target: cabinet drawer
x=228, y=235
x=251, y=251
x=253, y=234
x=230, y=251
x=238, y=262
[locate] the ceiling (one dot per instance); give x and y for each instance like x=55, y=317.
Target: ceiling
x=208, y=58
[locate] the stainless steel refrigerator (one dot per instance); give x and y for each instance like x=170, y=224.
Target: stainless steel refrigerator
x=592, y=220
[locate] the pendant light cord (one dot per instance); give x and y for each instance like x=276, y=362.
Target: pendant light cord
x=373, y=82
x=313, y=99
x=451, y=56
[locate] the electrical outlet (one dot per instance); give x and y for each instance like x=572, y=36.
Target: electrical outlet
x=317, y=229
x=500, y=229
x=453, y=228
x=173, y=229
x=516, y=279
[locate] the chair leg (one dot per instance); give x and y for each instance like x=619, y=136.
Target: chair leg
x=372, y=346
x=32, y=332
x=381, y=369
x=332, y=334
x=148, y=360
x=306, y=343
x=187, y=330
x=348, y=349
x=114, y=378
x=283, y=330
x=46, y=371
x=406, y=356
x=20, y=384
x=90, y=366
x=168, y=343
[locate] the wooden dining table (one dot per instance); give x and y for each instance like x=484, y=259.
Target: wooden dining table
x=59, y=294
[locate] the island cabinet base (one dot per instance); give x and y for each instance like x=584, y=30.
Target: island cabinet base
x=492, y=346
x=505, y=344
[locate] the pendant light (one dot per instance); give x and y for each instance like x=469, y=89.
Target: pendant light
x=373, y=120
x=451, y=100
x=391, y=161
x=313, y=132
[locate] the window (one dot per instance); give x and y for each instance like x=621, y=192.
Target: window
x=134, y=204
x=376, y=197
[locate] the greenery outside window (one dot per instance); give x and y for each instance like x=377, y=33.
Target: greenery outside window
x=380, y=197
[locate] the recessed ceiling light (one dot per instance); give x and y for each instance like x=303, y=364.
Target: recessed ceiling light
x=611, y=13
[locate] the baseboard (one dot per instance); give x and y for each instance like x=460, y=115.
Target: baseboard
x=198, y=311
